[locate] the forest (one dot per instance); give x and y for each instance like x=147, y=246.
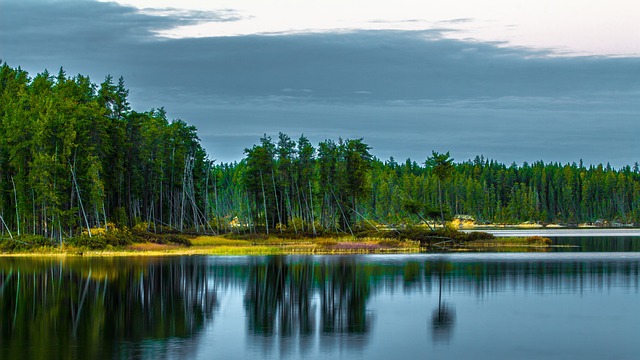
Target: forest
x=77, y=160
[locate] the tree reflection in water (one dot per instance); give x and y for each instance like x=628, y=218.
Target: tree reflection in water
x=99, y=308
x=443, y=318
x=144, y=308
x=282, y=297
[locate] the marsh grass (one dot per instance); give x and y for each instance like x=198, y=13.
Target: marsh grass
x=217, y=241
x=272, y=245
x=512, y=244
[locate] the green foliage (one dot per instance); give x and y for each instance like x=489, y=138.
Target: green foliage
x=115, y=238
x=538, y=240
x=24, y=243
x=159, y=238
x=89, y=243
x=478, y=236
x=75, y=156
x=423, y=235
x=441, y=165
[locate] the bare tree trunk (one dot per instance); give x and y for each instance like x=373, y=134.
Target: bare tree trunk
x=184, y=172
x=33, y=203
x=440, y=201
x=215, y=193
x=275, y=195
x=6, y=227
x=104, y=213
x=206, y=194
x=264, y=201
x=84, y=214
x=15, y=196
x=313, y=221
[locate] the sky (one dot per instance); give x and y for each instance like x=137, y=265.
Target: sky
x=515, y=81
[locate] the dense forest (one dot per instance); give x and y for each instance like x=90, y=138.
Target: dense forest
x=340, y=185
x=76, y=159
x=75, y=156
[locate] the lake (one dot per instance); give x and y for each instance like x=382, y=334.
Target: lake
x=556, y=305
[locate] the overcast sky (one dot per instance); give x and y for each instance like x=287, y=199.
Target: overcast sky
x=512, y=80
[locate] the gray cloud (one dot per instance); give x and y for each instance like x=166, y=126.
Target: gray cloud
x=406, y=92
x=413, y=131
x=86, y=34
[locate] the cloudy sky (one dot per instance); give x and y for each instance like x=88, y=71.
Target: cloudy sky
x=512, y=80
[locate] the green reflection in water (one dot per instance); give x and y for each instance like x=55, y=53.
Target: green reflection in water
x=598, y=244
x=141, y=307
x=279, y=300
x=92, y=308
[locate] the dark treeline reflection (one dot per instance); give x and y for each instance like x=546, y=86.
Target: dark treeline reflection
x=123, y=308
x=598, y=244
x=100, y=309
x=283, y=297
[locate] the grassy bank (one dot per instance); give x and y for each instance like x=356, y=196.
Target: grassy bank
x=366, y=242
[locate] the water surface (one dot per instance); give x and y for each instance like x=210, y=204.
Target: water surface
x=482, y=306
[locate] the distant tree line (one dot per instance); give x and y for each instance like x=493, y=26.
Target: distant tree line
x=340, y=186
x=74, y=157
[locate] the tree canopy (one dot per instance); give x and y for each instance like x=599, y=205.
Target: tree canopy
x=75, y=157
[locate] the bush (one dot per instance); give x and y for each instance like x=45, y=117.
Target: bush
x=538, y=240
x=25, y=243
x=35, y=240
x=10, y=245
x=175, y=239
x=478, y=236
x=86, y=242
x=144, y=236
x=114, y=238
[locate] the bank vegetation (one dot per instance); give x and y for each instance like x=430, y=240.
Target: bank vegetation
x=80, y=168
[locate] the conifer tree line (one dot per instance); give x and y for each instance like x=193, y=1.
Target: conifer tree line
x=74, y=156
x=340, y=186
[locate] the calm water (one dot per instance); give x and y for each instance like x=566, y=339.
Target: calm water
x=560, y=305
x=598, y=244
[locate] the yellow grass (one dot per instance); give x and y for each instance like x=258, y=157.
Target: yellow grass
x=217, y=241
x=218, y=245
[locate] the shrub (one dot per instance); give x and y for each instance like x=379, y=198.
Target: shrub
x=10, y=245
x=140, y=235
x=86, y=242
x=25, y=243
x=114, y=237
x=478, y=236
x=538, y=240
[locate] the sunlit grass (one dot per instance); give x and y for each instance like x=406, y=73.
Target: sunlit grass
x=220, y=245
x=511, y=243
x=217, y=241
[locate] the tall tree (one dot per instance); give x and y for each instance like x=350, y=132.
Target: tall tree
x=442, y=167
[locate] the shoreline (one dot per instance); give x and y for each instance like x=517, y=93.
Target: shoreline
x=218, y=246
x=505, y=240
x=559, y=232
